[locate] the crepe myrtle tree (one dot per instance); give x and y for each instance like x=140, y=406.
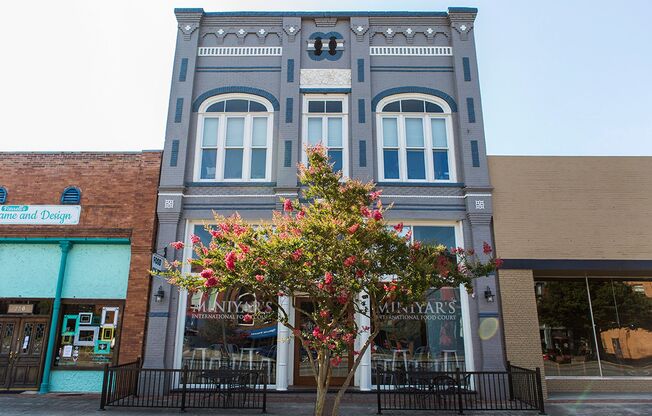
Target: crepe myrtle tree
x=336, y=250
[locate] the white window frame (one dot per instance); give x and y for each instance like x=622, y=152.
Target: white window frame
x=345, y=125
x=428, y=142
x=221, y=138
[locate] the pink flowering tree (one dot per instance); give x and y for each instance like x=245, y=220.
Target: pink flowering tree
x=330, y=250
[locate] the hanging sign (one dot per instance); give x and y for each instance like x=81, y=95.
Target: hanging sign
x=40, y=214
x=158, y=262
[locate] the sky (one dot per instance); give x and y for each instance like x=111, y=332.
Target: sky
x=557, y=77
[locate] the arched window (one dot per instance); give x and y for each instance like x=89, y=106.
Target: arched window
x=415, y=139
x=234, y=139
x=3, y=195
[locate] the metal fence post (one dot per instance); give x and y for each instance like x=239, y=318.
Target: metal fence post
x=105, y=386
x=380, y=411
x=184, y=388
x=137, y=376
x=264, y=394
x=458, y=381
x=510, y=380
x=542, y=410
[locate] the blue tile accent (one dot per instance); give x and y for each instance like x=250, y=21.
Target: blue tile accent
x=422, y=90
x=235, y=89
x=71, y=195
x=158, y=314
x=471, y=109
x=325, y=55
x=289, y=103
x=475, y=154
x=178, y=112
x=361, y=111
x=466, y=66
x=326, y=36
x=325, y=90
x=244, y=69
x=290, y=70
x=488, y=314
x=360, y=70
x=287, y=158
x=183, y=70
x=410, y=68
x=3, y=194
x=363, y=153
x=174, y=152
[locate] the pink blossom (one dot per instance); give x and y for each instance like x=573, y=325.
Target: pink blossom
x=206, y=273
x=262, y=262
x=365, y=211
x=204, y=250
x=296, y=255
x=178, y=245
x=352, y=229
x=417, y=245
x=377, y=215
x=245, y=248
x=301, y=214
x=498, y=263
x=260, y=278
x=216, y=233
x=225, y=227
x=239, y=229
x=287, y=206
x=324, y=313
x=342, y=299
x=320, y=286
x=486, y=248
x=335, y=361
x=195, y=239
x=247, y=318
x=359, y=273
x=211, y=282
x=348, y=338
x=375, y=195
x=229, y=260
x=350, y=261
x=365, y=328
x=328, y=278
x=207, y=261
x=316, y=332
x=356, y=352
x=283, y=235
x=399, y=227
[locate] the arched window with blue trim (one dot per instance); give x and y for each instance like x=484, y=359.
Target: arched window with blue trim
x=415, y=142
x=3, y=194
x=71, y=195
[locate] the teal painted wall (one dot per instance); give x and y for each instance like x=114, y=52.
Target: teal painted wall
x=93, y=270
x=29, y=270
x=76, y=381
x=97, y=271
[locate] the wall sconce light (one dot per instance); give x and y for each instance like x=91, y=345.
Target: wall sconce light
x=159, y=295
x=489, y=295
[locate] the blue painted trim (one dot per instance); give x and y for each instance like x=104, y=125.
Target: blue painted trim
x=325, y=55
x=158, y=314
x=237, y=70
x=475, y=154
x=234, y=204
x=178, y=112
x=174, y=153
x=58, y=240
x=321, y=14
x=183, y=70
x=411, y=70
x=466, y=66
x=488, y=315
x=56, y=306
x=470, y=107
x=287, y=159
x=325, y=90
x=290, y=70
x=413, y=66
x=420, y=90
x=462, y=10
x=235, y=89
x=360, y=70
x=231, y=184
x=324, y=36
x=289, y=108
x=71, y=196
x=233, y=208
x=422, y=184
x=363, y=153
x=240, y=67
x=3, y=194
x=361, y=111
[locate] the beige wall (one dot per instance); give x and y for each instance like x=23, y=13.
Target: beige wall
x=572, y=207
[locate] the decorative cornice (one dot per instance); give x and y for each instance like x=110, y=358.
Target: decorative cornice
x=476, y=218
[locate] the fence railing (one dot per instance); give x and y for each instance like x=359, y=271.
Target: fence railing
x=516, y=388
x=130, y=385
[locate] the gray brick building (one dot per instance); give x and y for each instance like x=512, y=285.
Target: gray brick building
x=395, y=98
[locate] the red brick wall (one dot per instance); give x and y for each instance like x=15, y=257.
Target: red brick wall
x=118, y=199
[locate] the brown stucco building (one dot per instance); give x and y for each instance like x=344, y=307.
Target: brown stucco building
x=76, y=238
x=576, y=237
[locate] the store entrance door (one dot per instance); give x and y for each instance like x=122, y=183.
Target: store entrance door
x=22, y=349
x=303, y=375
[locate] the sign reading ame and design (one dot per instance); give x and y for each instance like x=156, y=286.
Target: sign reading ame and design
x=40, y=214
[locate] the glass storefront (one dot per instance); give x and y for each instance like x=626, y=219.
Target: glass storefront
x=217, y=334
x=595, y=326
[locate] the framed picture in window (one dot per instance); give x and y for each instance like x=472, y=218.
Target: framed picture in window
x=66, y=339
x=106, y=333
x=109, y=316
x=70, y=324
x=85, y=318
x=102, y=347
x=87, y=336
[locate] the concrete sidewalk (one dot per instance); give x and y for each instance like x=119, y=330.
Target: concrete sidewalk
x=301, y=405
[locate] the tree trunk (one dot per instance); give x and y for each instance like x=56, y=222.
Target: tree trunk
x=323, y=381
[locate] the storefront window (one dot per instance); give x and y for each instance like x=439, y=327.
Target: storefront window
x=217, y=334
x=423, y=336
x=88, y=335
x=619, y=310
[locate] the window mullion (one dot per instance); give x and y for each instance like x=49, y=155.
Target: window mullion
x=402, y=149
x=247, y=145
x=429, y=147
x=221, y=144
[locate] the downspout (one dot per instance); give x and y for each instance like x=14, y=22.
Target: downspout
x=56, y=306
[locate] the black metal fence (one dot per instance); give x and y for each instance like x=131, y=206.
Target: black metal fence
x=130, y=385
x=516, y=388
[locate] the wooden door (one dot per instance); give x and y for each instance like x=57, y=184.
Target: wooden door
x=303, y=375
x=21, y=358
